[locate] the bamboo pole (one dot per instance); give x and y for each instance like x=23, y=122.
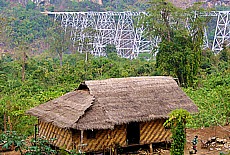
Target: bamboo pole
x=151, y=148
x=81, y=142
x=82, y=136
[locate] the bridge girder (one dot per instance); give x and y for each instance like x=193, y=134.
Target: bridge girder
x=118, y=28
x=106, y=28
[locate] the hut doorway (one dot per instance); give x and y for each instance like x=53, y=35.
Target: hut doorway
x=133, y=133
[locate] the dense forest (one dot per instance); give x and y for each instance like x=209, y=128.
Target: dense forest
x=31, y=72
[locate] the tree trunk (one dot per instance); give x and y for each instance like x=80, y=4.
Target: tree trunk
x=5, y=126
x=86, y=57
x=61, y=58
x=165, y=16
x=10, y=124
x=23, y=66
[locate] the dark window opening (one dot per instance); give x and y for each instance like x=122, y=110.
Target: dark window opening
x=83, y=86
x=133, y=133
x=91, y=134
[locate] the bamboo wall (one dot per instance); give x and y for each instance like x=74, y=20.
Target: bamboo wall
x=153, y=131
x=63, y=137
x=104, y=139
x=150, y=132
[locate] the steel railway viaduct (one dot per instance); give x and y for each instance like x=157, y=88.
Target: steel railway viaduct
x=118, y=28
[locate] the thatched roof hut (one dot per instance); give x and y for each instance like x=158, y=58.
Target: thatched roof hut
x=102, y=104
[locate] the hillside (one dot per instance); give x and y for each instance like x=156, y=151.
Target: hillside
x=206, y=3
x=111, y=5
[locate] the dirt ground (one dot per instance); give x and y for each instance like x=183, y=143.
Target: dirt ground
x=222, y=132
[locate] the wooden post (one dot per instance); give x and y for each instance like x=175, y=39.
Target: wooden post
x=115, y=151
x=110, y=151
x=74, y=139
x=38, y=130
x=151, y=148
x=82, y=137
x=35, y=132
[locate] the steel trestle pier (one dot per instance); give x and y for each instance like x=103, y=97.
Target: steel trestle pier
x=99, y=29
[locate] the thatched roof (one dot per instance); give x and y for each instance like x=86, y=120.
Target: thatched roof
x=65, y=110
x=117, y=101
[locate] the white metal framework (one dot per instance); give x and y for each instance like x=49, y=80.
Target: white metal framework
x=222, y=33
x=93, y=31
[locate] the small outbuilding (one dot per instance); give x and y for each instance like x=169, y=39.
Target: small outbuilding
x=105, y=114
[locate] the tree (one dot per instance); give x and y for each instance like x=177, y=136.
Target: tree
x=59, y=41
x=3, y=3
x=177, y=123
x=181, y=33
x=111, y=51
x=225, y=53
x=21, y=42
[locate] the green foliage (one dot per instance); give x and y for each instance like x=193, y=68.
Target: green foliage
x=179, y=52
x=222, y=8
x=26, y=24
x=46, y=81
x=40, y=146
x=208, y=59
x=222, y=153
x=59, y=40
x=86, y=5
x=3, y=4
x=110, y=48
x=11, y=139
x=224, y=55
x=177, y=59
x=177, y=123
x=212, y=95
x=158, y=21
x=212, y=100
x=30, y=5
x=75, y=152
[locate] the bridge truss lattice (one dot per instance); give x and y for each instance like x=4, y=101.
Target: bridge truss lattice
x=99, y=29
x=222, y=32
x=96, y=30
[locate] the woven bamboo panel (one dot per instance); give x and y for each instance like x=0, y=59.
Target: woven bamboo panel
x=104, y=139
x=150, y=132
x=153, y=132
x=63, y=137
